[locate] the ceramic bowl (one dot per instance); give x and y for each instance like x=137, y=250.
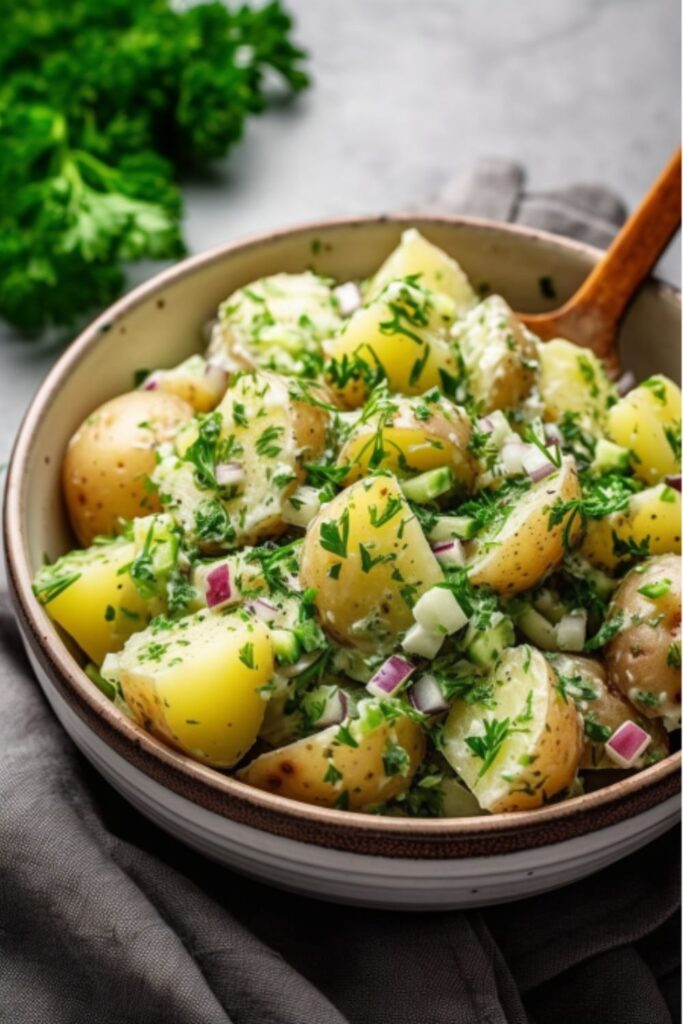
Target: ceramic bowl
x=332, y=854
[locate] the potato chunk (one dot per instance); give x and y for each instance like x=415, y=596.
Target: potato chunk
x=573, y=380
x=432, y=267
x=652, y=521
x=200, y=385
x=368, y=560
x=647, y=421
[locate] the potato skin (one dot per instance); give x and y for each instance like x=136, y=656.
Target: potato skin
x=111, y=455
x=639, y=658
x=365, y=608
x=526, y=548
x=298, y=770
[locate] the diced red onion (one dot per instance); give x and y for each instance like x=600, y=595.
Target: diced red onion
x=349, y=297
x=486, y=425
x=449, y=552
x=389, y=676
x=571, y=631
x=673, y=481
x=218, y=586
x=216, y=377
x=626, y=383
x=425, y=695
x=336, y=708
x=536, y=464
x=229, y=474
x=552, y=433
x=262, y=609
x=151, y=383
x=627, y=744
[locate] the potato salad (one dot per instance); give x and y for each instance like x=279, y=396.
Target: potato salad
x=379, y=548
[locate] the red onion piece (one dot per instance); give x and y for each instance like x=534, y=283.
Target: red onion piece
x=229, y=474
x=216, y=377
x=627, y=744
x=673, y=481
x=511, y=456
x=425, y=695
x=486, y=426
x=390, y=676
x=449, y=552
x=218, y=586
x=336, y=708
x=536, y=464
x=626, y=383
x=552, y=433
x=151, y=383
x=349, y=298
x=262, y=609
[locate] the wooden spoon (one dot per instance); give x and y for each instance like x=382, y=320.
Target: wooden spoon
x=591, y=317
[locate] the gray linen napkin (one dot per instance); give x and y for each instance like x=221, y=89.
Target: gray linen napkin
x=106, y=920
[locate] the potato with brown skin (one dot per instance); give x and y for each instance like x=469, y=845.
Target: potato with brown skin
x=110, y=457
x=198, y=384
x=584, y=680
x=327, y=770
x=644, y=658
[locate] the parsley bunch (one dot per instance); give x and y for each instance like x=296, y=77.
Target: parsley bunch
x=103, y=104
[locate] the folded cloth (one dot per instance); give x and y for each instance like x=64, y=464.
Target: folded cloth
x=106, y=920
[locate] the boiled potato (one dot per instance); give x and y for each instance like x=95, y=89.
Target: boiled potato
x=573, y=380
x=603, y=709
x=266, y=437
x=651, y=521
x=409, y=435
x=368, y=559
x=399, y=336
x=200, y=385
x=366, y=762
x=111, y=456
x=644, y=658
x=434, y=269
x=89, y=594
x=196, y=685
x=522, y=745
x=499, y=354
x=516, y=553
x=276, y=323
x=647, y=421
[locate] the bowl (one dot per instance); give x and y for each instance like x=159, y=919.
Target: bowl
x=332, y=854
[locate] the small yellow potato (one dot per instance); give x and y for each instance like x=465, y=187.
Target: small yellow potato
x=516, y=554
x=522, y=745
x=196, y=685
x=89, y=594
x=200, y=385
x=433, y=268
x=266, y=436
x=368, y=559
x=603, y=709
x=411, y=435
x=499, y=354
x=111, y=456
x=647, y=421
x=652, y=521
x=277, y=323
x=365, y=762
x=401, y=336
x=644, y=658
x=573, y=380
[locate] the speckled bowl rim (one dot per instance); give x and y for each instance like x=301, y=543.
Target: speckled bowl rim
x=226, y=796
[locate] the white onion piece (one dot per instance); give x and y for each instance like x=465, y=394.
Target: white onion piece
x=390, y=676
x=425, y=695
x=626, y=383
x=627, y=744
x=216, y=377
x=335, y=711
x=419, y=640
x=511, y=456
x=438, y=611
x=571, y=631
x=219, y=590
x=262, y=609
x=348, y=297
x=229, y=474
x=449, y=552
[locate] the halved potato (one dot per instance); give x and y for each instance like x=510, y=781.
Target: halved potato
x=522, y=745
x=365, y=762
x=517, y=554
x=499, y=354
x=196, y=685
x=368, y=560
x=573, y=380
x=91, y=596
x=111, y=456
x=411, y=435
x=399, y=336
x=647, y=421
x=266, y=436
x=432, y=267
x=644, y=658
x=200, y=385
x=652, y=521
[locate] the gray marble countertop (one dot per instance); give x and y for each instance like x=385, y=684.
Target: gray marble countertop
x=408, y=93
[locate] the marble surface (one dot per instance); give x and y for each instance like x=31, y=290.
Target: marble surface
x=407, y=93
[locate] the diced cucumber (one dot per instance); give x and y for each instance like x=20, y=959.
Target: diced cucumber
x=610, y=457
x=302, y=506
x=486, y=647
x=286, y=646
x=438, y=611
x=537, y=628
x=423, y=642
x=449, y=527
x=429, y=485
